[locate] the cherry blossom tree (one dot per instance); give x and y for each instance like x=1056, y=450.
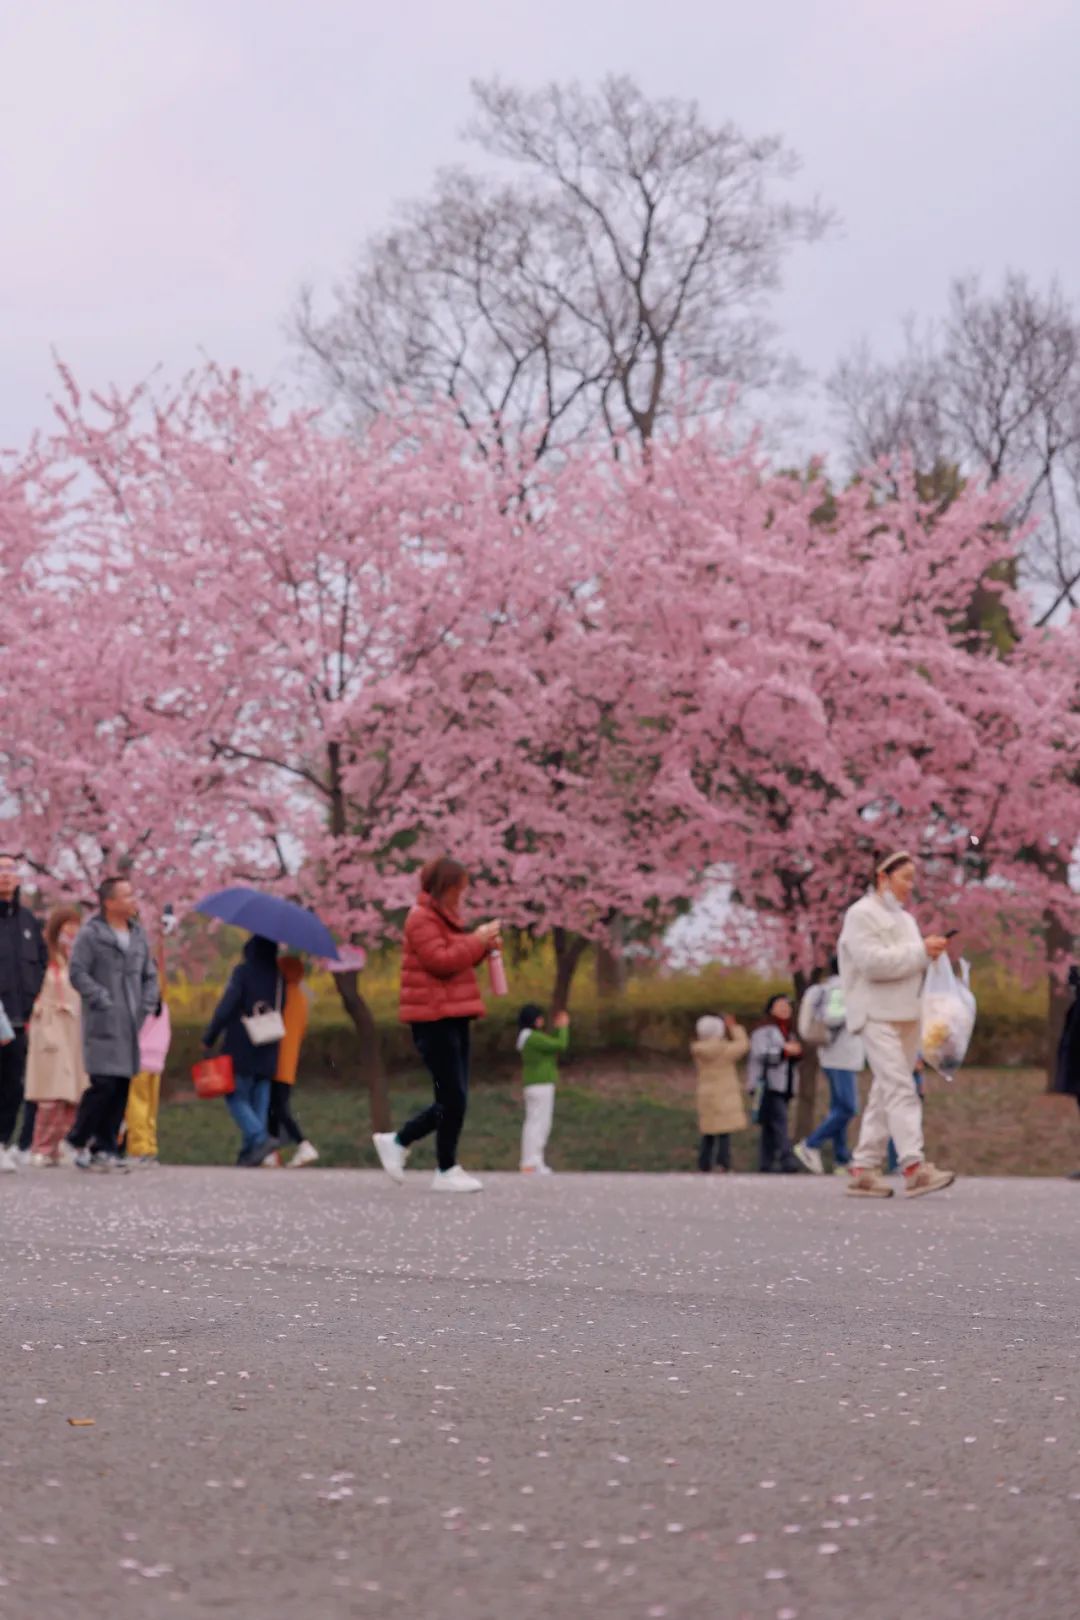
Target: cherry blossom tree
x=363, y=652
x=286, y=655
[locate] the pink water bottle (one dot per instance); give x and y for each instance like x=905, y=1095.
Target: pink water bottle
x=497, y=972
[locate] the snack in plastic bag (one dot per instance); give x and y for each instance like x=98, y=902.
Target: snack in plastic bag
x=948, y=1015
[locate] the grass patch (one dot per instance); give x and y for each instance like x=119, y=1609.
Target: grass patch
x=639, y=1115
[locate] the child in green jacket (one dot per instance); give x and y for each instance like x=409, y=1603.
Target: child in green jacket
x=540, y=1069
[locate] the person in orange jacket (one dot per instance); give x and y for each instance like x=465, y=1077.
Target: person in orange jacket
x=282, y=1122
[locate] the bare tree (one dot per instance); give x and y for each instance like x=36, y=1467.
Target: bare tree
x=619, y=260
x=995, y=392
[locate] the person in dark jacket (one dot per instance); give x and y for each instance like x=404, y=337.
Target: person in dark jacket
x=255, y=984
x=1067, y=1068
x=23, y=960
x=771, y=1075
x=112, y=968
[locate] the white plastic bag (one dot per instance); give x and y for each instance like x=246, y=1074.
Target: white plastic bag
x=948, y=1015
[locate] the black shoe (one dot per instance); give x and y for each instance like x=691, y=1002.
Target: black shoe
x=1073, y=1175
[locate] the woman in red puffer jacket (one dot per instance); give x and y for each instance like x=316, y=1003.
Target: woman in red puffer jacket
x=439, y=998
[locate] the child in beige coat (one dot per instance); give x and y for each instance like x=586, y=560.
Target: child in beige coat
x=721, y=1044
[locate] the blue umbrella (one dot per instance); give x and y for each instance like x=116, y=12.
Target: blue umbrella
x=272, y=917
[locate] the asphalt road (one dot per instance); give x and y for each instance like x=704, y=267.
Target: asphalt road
x=320, y=1395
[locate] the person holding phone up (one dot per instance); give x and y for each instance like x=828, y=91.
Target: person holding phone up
x=440, y=997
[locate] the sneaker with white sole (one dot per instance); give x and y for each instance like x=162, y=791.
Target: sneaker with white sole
x=8, y=1166
x=66, y=1153
x=456, y=1180
x=392, y=1156
x=810, y=1158
x=273, y=1161
x=306, y=1153
x=85, y=1160
x=20, y=1157
x=926, y=1178
x=868, y=1184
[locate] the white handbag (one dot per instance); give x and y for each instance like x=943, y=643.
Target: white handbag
x=264, y=1025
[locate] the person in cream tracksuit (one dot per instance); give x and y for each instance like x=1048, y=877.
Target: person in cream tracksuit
x=883, y=960
x=540, y=1055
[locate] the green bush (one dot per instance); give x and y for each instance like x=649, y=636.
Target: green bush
x=655, y=1015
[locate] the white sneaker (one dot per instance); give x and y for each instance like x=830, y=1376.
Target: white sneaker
x=455, y=1180
x=810, y=1159
x=8, y=1165
x=392, y=1156
x=68, y=1154
x=306, y=1153
x=273, y=1161
x=20, y=1158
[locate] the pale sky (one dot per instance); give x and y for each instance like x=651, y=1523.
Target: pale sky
x=172, y=170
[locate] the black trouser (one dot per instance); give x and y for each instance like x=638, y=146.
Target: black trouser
x=715, y=1150
x=101, y=1111
x=280, y=1121
x=444, y=1047
x=12, y=1077
x=776, y=1150
x=26, y=1129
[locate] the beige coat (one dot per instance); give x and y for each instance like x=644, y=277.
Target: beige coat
x=54, y=1062
x=719, y=1093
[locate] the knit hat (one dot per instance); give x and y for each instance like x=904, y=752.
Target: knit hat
x=711, y=1028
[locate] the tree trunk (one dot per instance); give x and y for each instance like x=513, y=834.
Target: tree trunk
x=372, y=1069
x=809, y=1069
x=611, y=965
x=569, y=949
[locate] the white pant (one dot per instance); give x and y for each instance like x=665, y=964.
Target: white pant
x=539, y=1113
x=893, y=1107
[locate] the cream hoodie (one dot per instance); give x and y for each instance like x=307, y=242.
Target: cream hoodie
x=882, y=963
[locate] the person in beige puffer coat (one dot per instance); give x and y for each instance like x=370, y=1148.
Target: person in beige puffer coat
x=721, y=1044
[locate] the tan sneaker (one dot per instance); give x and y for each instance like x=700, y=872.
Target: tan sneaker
x=927, y=1179
x=868, y=1184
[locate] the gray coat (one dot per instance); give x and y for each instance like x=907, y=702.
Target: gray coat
x=119, y=991
x=768, y=1066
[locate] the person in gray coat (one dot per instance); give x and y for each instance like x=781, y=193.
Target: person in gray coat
x=113, y=970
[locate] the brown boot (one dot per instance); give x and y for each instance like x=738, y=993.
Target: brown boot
x=926, y=1178
x=868, y=1184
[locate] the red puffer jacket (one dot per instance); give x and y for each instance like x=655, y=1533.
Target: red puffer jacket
x=438, y=967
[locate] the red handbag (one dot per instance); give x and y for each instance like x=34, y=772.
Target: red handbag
x=213, y=1077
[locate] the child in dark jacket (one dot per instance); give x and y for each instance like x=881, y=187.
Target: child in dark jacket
x=540, y=1055
x=771, y=1077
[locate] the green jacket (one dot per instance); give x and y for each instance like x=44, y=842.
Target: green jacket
x=540, y=1055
